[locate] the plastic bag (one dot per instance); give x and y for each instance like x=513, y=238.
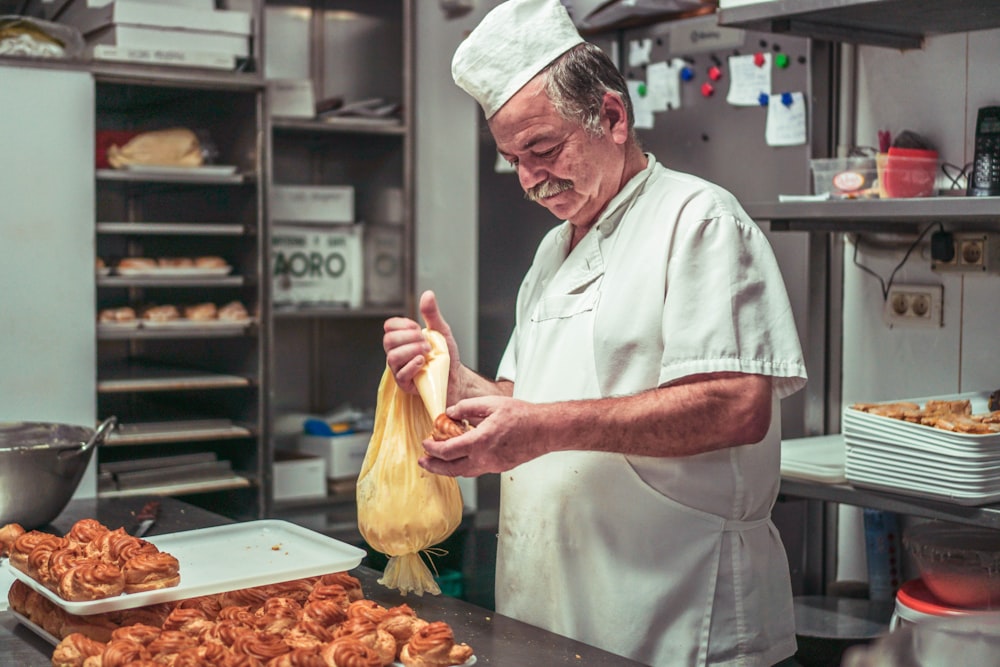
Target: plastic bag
x=404, y=510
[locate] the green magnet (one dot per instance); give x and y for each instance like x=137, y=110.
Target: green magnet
x=642, y=89
x=781, y=60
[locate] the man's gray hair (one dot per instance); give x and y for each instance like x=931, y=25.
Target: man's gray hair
x=576, y=83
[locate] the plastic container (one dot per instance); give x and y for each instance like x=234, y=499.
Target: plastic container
x=906, y=172
x=959, y=564
x=845, y=178
x=916, y=604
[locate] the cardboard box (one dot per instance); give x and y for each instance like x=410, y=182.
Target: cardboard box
x=171, y=57
x=344, y=454
x=298, y=475
x=131, y=36
x=155, y=15
x=317, y=265
x=291, y=98
x=383, y=265
x=312, y=203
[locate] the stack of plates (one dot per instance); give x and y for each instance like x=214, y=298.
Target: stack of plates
x=914, y=459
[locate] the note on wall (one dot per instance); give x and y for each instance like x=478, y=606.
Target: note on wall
x=638, y=51
x=749, y=77
x=663, y=81
x=786, y=120
x=640, y=104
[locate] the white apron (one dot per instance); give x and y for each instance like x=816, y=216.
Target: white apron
x=588, y=549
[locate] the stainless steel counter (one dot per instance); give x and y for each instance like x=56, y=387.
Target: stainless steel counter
x=496, y=639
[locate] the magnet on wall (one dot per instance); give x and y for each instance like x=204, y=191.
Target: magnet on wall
x=707, y=89
x=786, y=99
x=714, y=73
x=687, y=74
x=781, y=60
x=763, y=99
x=758, y=59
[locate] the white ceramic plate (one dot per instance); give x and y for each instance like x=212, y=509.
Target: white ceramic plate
x=226, y=558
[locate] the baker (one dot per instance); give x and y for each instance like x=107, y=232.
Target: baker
x=635, y=414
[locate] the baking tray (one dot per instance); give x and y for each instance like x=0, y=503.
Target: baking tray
x=226, y=558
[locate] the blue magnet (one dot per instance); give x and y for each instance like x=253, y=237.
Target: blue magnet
x=763, y=99
x=786, y=99
x=687, y=74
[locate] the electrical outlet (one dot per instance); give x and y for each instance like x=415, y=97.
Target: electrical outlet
x=974, y=252
x=914, y=306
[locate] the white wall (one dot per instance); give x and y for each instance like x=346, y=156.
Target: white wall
x=935, y=91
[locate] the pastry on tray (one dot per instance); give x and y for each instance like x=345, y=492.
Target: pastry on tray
x=258, y=626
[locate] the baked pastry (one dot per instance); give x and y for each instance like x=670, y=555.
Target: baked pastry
x=74, y=649
x=325, y=612
x=233, y=311
x=91, y=580
x=260, y=645
x=244, y=597
x=369, y=634
x=210, y=262
x=24, y=544
x=307, y=634
x=126, y=547
x=368, y=609
x=116, y=315
x=201, y=312
x=277, y=615
x=226, y=632
x=137, y=263
x=165, y=313
x=139, y=633
x=8, y=534
x=99, y=264
x=175, y=263
x=188, y=620
x=434, y=646
x=350, y=583
x=334, y=592
x=121, y=652
x=206, y=604
x=150, y=572
x=402, y=623
x=86, y=531
x=297, y=589
x=61, y=561
x=300, y=657
x=38, y=560
x=17, y=596
x=350, y=652
x=445, y=427
x=171, y=641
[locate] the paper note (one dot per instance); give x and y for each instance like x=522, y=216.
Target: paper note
x=786, y=120
x=747, y=80
x=638, y=51
x=663, y=81
x=640, y=104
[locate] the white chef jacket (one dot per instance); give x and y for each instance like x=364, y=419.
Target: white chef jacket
x=669, y=561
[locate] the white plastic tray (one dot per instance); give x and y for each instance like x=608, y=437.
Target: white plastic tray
x=225, y=558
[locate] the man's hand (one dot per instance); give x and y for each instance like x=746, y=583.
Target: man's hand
x=506, y=434
x=405, y=346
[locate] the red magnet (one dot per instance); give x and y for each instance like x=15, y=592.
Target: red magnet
x=714, y=73
x=758, y=59
x=707, y=89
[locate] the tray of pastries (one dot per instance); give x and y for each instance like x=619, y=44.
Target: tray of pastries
x=323, y=620
x=173, y=267
x=190, y=563
x=204, y=315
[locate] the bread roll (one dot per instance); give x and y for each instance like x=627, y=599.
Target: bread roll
x=134, y=263
x=201, y=312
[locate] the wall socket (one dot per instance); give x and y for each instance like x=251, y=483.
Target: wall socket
x=917, y=306
x=974, y=252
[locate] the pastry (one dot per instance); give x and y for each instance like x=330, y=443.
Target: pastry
x=233, y=311
x=86, y=531
x=125, y=547
x=445, y=427
x=350, y=583
x=244, y=597
x=74, y=649
x=434, y=646
x=24, y=544
x=201, y=312
x=116, y=315
x=150, y=572
x=368, y=609
x=164, y=313
x=277, y=615
x=137, y=263
x=8, y=534
x=226, y=632
x=307, y=634
x=260, y=645
x=369, y=634
x=237, y=614
x=139, y=633
x=17, y=596
x=349, y=652
x=297, y=589
x=91, y=580
x=402, y=623
x=175, y=262
x=189, y=621
x=171, y=641
x=121, y=652
x=210, y=262
x=325, y=612
x=300, y=657
x=334, y=592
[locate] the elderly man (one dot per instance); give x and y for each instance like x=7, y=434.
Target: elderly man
x=635, y=415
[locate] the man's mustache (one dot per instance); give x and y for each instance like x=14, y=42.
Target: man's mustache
x=547, y=189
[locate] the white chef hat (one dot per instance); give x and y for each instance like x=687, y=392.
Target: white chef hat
x=512, y=44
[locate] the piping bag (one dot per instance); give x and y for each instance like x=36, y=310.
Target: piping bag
x=403, y=510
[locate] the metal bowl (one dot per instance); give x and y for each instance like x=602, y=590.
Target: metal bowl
x=41, y=465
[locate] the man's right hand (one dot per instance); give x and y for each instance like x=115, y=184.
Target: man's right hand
x=405, y=345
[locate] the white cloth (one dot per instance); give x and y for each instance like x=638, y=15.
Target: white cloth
x=513, y=43
x=670, y=561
